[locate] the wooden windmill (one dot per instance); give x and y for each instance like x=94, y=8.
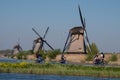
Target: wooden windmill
x=75, y=42
x=17, y=48
x=39, y=42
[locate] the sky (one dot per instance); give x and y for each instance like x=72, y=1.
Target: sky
x=18, y=17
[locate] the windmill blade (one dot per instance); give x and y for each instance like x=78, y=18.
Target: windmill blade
x=48, y=45
x=33, y=45
x=87, y=37
x=46, y=32
x=37, y=33
x=71, y=40
x=20, y=48
x=18, y=40
x=81, y=18
x=65, y=45
x=89, y=44
x=41, y=46
x=42, y=39
x=84, y=46
x=84, y=26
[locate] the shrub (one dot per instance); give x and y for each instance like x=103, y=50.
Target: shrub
x=113, y=57
x=94, y=49
x=22, y=55
x=25, y=53
x=12, y=56
x=19, y=55
x=43, y=54
x=89, y=57
x=53, y=54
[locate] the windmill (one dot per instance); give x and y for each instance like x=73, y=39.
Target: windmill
x=17, y=48
x=75, y=42
x=39, y=42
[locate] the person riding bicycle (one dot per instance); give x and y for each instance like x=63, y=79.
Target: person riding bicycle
x=63, y=60
x=96, y=59
x=102, y=56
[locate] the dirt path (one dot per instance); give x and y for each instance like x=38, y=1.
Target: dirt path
x=80, y=58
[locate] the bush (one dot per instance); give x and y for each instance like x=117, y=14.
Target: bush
x=43, y=54
x=53, y=54
x=89, y=57
x=19, y=55
x=113, y=57
x=24, y=56
x=94, y=49
x=25, y=53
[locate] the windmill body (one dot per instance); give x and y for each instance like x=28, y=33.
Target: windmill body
x=76, y=42
x=16, y=51
x=37, y=45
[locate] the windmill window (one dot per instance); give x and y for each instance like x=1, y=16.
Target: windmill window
x=80, y=48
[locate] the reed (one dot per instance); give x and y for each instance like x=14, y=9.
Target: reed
x=59, y=69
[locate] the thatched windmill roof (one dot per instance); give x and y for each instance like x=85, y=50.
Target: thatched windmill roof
x=77, y=30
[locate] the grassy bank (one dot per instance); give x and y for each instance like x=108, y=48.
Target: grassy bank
x=59, y=69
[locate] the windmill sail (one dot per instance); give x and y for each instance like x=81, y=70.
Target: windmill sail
x=87, y=37
x=84, y=26
x=46, y=32
x=42, y=39
x=81, y=18
x=65, y=44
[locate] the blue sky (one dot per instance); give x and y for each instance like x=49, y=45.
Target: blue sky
x=18, y=17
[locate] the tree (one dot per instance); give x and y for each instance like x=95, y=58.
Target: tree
x=94, y=49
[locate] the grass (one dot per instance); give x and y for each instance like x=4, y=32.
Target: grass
x=59, y=69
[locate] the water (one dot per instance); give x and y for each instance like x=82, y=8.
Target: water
x=8, y=60
x=14, y=76
x=13, y=60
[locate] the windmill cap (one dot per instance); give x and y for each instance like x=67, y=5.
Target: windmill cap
x=77, y=30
